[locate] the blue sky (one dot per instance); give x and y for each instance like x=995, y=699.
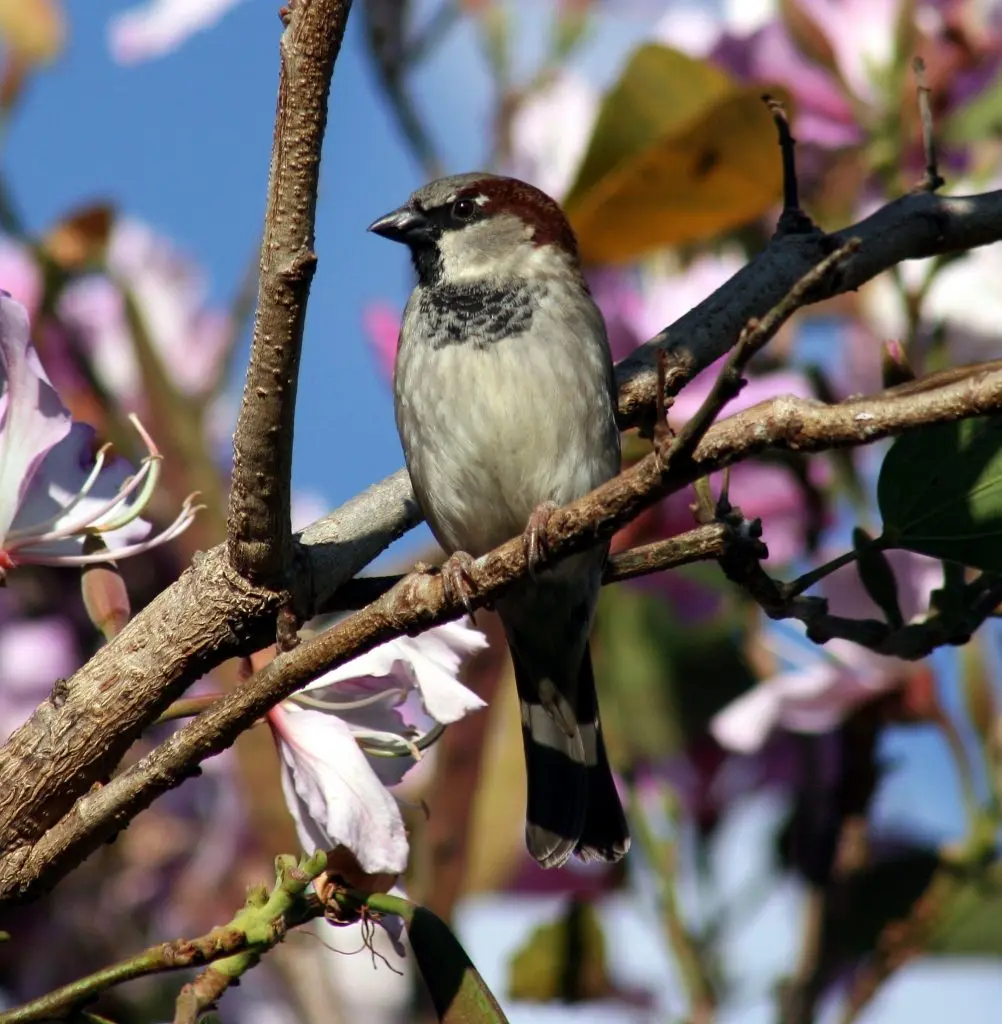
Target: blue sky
x=183, y=143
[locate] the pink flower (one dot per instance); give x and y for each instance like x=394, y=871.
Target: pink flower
x=19, y=274
x=638, y=304
x=169, y=296
x=157, y=27
x=55, y=492
x=34, y=653
x=550, y=133
x=381, y=323
x=824, y=684
x=961, y=301
x=838, y=105
x=360, y=728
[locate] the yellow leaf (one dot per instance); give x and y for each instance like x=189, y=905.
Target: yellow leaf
x=34, y=29
x=497, y=833
x=563, y=959
x=679, y=154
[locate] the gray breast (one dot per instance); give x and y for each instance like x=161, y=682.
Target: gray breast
x=478, y=313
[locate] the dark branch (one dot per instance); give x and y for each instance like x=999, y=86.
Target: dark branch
x=931, y=179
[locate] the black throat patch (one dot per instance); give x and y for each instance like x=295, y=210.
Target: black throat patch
x=481, y=314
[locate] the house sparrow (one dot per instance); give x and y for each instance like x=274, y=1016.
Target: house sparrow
x=505, y=405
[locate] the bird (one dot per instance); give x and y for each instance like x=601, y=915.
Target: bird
x=505, y=406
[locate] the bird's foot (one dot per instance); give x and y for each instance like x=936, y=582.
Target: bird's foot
x=457, y=582
x=534, y=537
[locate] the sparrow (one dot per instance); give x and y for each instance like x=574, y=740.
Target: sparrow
x=505, y=406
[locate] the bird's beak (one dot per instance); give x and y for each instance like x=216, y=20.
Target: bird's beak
x=402, y=225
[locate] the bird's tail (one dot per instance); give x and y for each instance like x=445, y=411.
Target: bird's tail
x=572, y=805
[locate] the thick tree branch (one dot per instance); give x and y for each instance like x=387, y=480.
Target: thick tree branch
x=915, y=226
x=419, y=601
x=259, y=535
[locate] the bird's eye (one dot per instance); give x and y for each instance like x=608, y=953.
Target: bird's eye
x=464, y=209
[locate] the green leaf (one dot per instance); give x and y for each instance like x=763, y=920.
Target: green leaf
x=563, y=960
x=969, y=918
x=940, y=492
x=457, y=991
x=679, y=153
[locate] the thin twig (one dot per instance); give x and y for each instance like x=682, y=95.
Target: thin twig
x=392, y=57
x=932, y=179
x=700, y=544
x=752, y=340
x=792, y=220
x=662, y=859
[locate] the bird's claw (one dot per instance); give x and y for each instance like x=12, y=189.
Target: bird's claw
x=457, y=582
x=534, y=537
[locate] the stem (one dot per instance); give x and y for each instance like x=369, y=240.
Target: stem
x=796, y=587
x=662, y=857
x=258, y=926
x=188, y=707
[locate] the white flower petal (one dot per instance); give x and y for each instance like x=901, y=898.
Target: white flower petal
x=431, y=662
x=33, y=417
x=57, y=481
x=550, y=133
x=159, y=26
x=745, y=724
x=333, y=793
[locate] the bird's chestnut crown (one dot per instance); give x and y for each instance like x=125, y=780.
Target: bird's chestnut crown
x=478, y=225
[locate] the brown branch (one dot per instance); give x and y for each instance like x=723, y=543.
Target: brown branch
x=698, y=545
x=419, y=601
x=259, y=534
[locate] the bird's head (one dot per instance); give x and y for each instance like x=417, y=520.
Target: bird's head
x=479, y=227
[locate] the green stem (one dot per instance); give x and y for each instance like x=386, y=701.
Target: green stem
x=661, y=855
x=254, y=929
x=965, y=773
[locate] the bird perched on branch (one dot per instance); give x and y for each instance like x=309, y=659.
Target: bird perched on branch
x=505, y=405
